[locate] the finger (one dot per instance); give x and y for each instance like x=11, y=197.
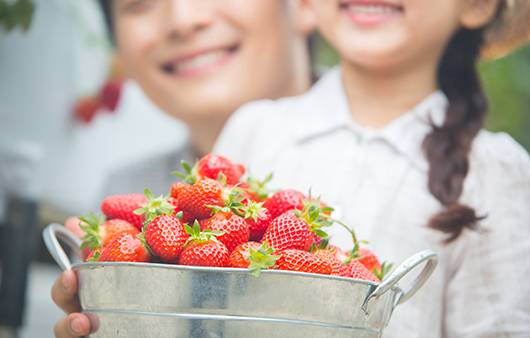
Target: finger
x=64, y=292
x=72, y=224
x=75, y=325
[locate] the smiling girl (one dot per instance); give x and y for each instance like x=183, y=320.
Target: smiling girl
x=392, y=138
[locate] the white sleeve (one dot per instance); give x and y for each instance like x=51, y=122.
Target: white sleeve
x=489, y=296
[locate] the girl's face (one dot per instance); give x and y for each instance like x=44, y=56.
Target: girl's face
x=201, y=59
x=396, y=34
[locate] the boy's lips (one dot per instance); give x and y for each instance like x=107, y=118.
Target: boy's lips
x=370, y=12
x=200, y=61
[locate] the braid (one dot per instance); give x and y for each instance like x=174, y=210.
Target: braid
x=447, y=147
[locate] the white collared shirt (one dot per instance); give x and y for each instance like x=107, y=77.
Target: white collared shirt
x=377, y=181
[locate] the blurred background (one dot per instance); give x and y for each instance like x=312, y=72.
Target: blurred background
x=55, y=62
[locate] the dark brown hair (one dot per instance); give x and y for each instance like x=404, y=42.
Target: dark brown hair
x=447, y=147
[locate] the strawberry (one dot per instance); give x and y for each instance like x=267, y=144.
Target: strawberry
x=203, y=249
x=358, y=271
x=289, y=232
x=177, y=188
x=186, y=216
x=86, y=108
x=110, y=94
x=235, y=227
x=100, y=234
x=298, y=260
x=212, y=165
x=368, y=259
x=338, y=268
x=339, y=253
x=293, y=229
x=154, y=206
x=262, y=259
x=123, y=206
x=197, y=199
x=256, y=190
x=284, y=200
x=126, y=248
x=166, y=237
x=94, y=255
x=239, y=256
x=258, y=219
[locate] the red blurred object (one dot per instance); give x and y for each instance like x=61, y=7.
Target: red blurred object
x=86, y=108
x=110, y=94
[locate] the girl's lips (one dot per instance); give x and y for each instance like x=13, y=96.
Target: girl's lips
x=370, y=12
x=200, y=62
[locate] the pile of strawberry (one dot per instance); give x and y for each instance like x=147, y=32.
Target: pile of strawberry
x=213, y=218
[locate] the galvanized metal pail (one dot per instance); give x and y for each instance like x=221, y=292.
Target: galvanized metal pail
x=162, y=300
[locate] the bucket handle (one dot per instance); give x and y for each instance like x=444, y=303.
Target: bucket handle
x=50, y=234
x=408, y=265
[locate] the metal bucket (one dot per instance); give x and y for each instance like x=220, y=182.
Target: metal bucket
x=162, y=300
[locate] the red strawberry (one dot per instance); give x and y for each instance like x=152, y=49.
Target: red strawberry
x=94, y=255
x=123, y=206
x=358, y=271
x=235, y=227
x=338, y=268
x=86, y=108
x=177, y=188
x=369, y=259
x=208, y=253
x=284, y=200
x=203, y=248
x=239, y=256
x=211, y=165
x=186, y=216
x=258, y=219
x=289, y=232
x=339, y=253
x=110, y=95
x=101, y=234
x=196, y=198
x=126, y=248
x=257, y=190
x=297, y=260
x=166, y=237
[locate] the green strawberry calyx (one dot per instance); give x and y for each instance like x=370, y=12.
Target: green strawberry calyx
x=92, y=238
x=198, y=236
x=261, y=259
x=259, y=187
x=190, y=175
x=95, y=257
x=251, y=210
x=233, y=201
x=381, y=273
x=314, y=216
x=154, y=206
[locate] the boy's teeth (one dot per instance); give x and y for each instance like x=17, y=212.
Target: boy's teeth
x=367, y=9
x=201, y=60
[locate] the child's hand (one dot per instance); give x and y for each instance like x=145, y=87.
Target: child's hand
x=64, y=294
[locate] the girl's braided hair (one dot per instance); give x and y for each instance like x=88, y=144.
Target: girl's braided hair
x=447, y=147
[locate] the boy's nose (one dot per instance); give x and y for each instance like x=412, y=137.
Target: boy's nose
x=186, y=17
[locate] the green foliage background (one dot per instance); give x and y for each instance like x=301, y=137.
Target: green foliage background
x=506, y=82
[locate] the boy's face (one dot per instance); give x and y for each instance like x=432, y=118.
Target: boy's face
x=201, y=59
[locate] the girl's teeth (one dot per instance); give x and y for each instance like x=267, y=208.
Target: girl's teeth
x=200, y=61
x=367, y=9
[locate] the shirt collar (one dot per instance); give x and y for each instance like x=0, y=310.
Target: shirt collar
x=324, y=109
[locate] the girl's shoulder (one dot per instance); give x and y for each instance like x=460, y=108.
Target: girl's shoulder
x=499, y=168
x=498, y=149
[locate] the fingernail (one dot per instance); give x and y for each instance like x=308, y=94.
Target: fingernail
x=76, y=326
x=65, y=281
